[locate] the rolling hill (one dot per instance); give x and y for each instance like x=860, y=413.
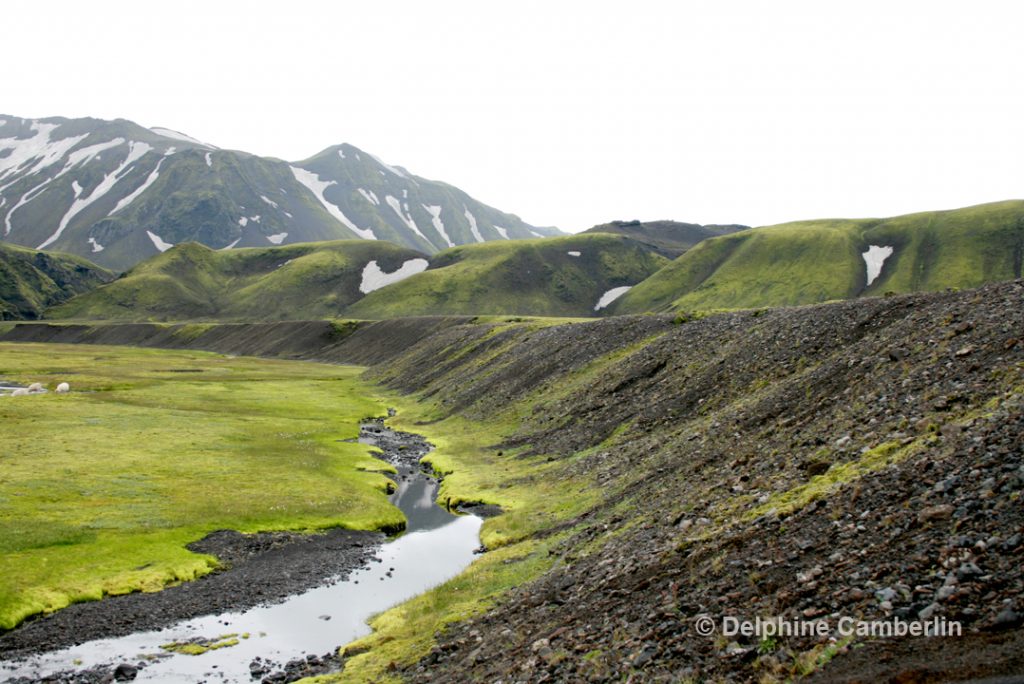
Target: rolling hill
x=193, y=282
x=814, y=261
x=118, y=193
x=372, y=279
x=32, y=281
x=577, y=275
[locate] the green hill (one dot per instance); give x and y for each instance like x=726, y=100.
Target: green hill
x=550, y=277
x=191, y=281
x=815, y=261
x=31, y=281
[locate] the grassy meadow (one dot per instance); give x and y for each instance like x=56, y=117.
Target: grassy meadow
x=102, y=488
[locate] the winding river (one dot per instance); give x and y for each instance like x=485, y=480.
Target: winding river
x=435, y=547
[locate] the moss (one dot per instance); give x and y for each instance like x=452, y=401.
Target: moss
x=200, y=646
x=838, y=475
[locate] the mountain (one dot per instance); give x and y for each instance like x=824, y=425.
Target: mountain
x=815, y=261
x=32, y=281
x=119, y=193
x=192, y=281
x=576, y=275
x=668, y=238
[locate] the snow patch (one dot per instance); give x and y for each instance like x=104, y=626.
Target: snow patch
x=175, y=135
x=472, y=225
x=244, y=221
x=435, y=217
x=341, y=153
x=405, y=194
x=502, y=232
x=170, y=151
x=370, y=196
x=209, y=159
x=575, y=254
x=87, y=154
x=96, y=247
x=610, y=296
x=535, y=234
x=374, y=278
x=135, y=152
x=406, y=218
x=157, y=242
x=39, y=147
x=874, y=259
x=76, y=188
x=268, y=201
x=125, y=201
x=317, y=186
x=231, y=245
x=277, y=238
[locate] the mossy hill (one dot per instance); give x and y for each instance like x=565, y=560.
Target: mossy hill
x=194, y=282
x=552, y=277
x=32, y=281
x=814, y=261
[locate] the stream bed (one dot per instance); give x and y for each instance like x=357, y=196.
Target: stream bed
x=271, y=640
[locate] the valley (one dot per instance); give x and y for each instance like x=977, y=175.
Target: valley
x=853, y=458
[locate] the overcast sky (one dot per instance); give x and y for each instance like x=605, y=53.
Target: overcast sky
x=569, y=114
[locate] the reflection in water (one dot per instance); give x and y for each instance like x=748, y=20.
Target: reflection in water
x=436, y=547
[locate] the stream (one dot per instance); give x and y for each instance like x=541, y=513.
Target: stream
x=435, y=547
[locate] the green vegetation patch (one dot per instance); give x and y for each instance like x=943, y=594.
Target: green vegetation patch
x=199, y=645
x=102, y=488
x=808, y=262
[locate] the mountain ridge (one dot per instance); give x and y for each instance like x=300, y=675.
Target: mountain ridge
x=117, y=193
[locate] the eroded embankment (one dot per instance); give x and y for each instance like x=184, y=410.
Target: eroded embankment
x=861, y=459
x=354, y=342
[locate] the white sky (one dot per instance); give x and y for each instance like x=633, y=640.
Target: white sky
x=569, y=113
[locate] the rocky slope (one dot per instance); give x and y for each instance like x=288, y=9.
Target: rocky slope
x=31, y=281
x=862, y=459
x=118, y=193
x=814, y=261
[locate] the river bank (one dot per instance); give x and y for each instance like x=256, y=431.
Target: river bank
x=281, y=598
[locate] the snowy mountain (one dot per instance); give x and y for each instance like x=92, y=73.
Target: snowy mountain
x=119, y=193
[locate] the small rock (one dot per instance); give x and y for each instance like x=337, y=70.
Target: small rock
x=940, y=512
x=125, y=672
x=1007, y=618
x=968, y=571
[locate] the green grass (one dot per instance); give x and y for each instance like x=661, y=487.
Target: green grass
x=521, y=277
x=815, y=261
x=101, y=489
